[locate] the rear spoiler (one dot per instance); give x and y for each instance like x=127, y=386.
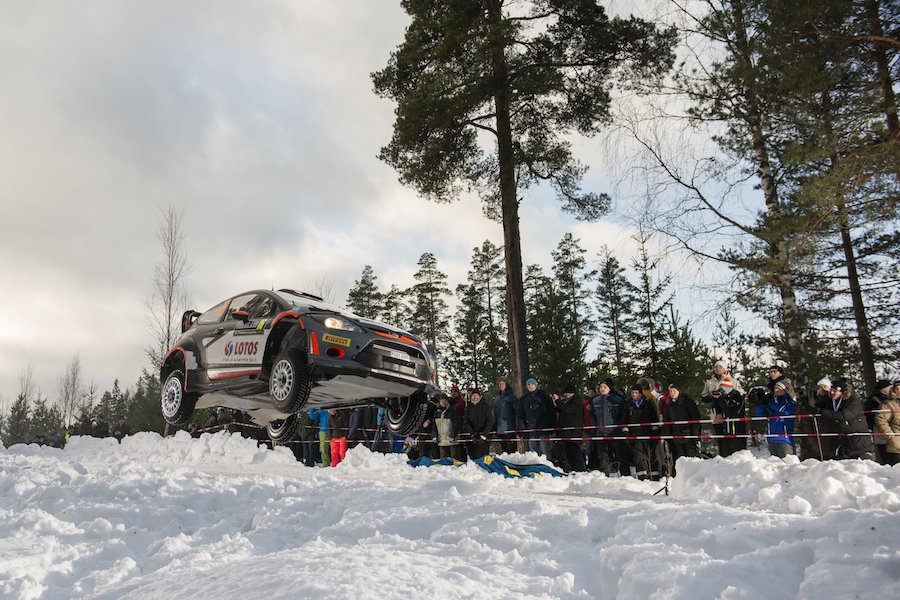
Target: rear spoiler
x=188, y=318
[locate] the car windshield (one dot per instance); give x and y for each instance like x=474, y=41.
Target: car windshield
x=300, y=300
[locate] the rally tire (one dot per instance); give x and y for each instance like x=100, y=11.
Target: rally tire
x=177, y=405
x=405, y=415
x=281, y=431
x=289, y=382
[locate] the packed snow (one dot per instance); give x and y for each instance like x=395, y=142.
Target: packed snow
x=219, y=517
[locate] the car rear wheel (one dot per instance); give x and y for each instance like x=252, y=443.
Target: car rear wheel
x=177, y=405
x=406, y=415
x=289, y=382
x=282, y=431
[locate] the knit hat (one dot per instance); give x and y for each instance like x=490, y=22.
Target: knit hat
x=726, y=386
x=675, y=384
x=839, y=384
x=882, y=383
x=455, y=388
x=781, y=384
x=635, y=388
x=777, y=368
x=824, y=382
x=475, y=391
x=531, y=381
x=608, y=382
x=721, y=363
x=570, y=388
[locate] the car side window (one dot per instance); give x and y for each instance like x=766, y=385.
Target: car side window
x=213, y=315
x=261, y=307
x=244, y=303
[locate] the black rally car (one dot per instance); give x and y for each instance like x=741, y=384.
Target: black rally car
x=275, y=353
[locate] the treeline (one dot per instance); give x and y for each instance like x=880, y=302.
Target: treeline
x=33, y=414
x=588, y=318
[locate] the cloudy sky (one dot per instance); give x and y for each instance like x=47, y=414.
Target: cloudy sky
x=258, y=121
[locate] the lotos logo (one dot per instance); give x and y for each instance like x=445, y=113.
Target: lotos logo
x=242, y=348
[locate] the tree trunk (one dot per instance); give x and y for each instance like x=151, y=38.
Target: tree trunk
x=884, y=72
x=777, y=249
x=859, y=309
x=512, y=248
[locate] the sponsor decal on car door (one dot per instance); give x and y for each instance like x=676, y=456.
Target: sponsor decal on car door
x=239, y=352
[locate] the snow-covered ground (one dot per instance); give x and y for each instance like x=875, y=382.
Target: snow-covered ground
x=216, y=517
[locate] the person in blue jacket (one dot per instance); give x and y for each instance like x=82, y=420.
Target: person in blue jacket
x=779, y=431
x=324, y=437
x=505, y=415
x=605, y=407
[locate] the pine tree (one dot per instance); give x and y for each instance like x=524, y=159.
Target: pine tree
x=487, y=275
x=653, y=299
x=684, y=358
x=364, y=298
x=429, y=308
x=616, y=299
x=18, y=423
x=573, y=280
x=526, y=77
x=555, y=352
x=143, y=408
x=466, y=357
x=396, y=310
x=119, y=403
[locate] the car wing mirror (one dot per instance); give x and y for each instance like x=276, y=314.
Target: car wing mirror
x=240, y=315
x=187, y=319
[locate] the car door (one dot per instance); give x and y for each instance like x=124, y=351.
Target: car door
x=238, y=352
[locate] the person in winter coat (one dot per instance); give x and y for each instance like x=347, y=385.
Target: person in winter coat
x=887, y=425
x=812, y=444
x=571, y=422
x=338, y=428
x=639, y=417
x=729, y=403
x=309, y=434
x=321, y=417
x=456, y=400
x=505, y=415
x=776, y=374
x=122, y=429
x=478, y=421
x=720, y=372
x=779, y=431
x=535, y=411
x=681, y=407
x=872, y=406
x=604, y=409
x=445, y=426
x=846, y=414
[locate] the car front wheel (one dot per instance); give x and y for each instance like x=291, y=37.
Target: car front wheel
x=289, y=383
x=177, y=405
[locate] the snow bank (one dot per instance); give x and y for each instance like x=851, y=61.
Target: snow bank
x=222, y=448
x=217, y=516
x=787, y=485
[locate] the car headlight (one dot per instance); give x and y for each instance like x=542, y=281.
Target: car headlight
x=338, y=323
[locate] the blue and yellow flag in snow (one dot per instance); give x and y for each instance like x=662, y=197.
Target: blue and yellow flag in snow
x=492, y=464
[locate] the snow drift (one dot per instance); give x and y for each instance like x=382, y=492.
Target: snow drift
x=182, y=517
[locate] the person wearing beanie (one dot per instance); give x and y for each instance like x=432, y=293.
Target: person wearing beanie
x=776, y=374
x=779, y=430
x=711, y=387
x=445, y=426
x=872, y=405
x=681, y=407
x=726, y=405
x=505, y=415
x=535, y=412
x=638, y=417
x=478, y=421
x=845, y=414
x=605, y=415
x=456, y=400
x=887, y=423
x=571, y=421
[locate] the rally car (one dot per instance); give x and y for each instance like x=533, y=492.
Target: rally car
x=273, y=354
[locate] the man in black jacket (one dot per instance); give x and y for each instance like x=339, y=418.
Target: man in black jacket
x=681, y=407
x=571, y=423
x=639, y=409
x=478, y=421
x=535, y=411
x=846, y=414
